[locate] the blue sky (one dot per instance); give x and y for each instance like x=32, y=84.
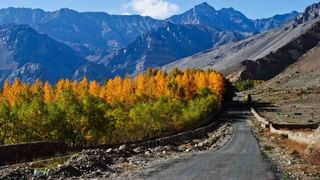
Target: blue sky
x=164, y=8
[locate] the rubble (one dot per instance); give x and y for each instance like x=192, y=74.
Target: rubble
x=99, y=163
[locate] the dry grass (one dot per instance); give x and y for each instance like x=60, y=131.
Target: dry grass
x=294, y=146
x=314, y=157
x=126, y=166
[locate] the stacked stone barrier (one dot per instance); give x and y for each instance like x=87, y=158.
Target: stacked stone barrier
x=292, y=130
x=18, y=153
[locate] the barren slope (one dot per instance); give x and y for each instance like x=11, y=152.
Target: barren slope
x=295, y=93
x=252, y=48
x=303, y=74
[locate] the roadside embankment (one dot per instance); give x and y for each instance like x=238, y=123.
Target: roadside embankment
x=291, y=131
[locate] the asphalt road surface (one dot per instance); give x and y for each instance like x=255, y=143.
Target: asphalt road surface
x=240, y=159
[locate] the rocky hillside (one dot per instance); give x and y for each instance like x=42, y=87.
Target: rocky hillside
x=274, y=63
x=28, y=55
x=228, y=57
x=305, y=73
x=164, y=45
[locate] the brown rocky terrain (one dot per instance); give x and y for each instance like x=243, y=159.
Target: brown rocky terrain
x=294, y=93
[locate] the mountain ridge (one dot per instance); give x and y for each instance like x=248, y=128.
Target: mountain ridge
x=235, y=58
x=164, y=45
x=28, y=55
x=92, y=34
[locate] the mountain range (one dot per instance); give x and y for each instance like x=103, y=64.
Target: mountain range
x=69, y=44
x=261, y=56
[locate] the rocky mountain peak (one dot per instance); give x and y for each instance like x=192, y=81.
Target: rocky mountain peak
x=310, y=13
x=204, y=7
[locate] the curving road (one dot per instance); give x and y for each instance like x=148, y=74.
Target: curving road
x=240, y=159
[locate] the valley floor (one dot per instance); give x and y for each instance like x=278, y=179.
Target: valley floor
x=290, y=106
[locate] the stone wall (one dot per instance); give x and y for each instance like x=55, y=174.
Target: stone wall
x=309, y=138
x=18, y=153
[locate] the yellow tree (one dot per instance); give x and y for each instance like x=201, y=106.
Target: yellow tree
x=94, y=88
x=47, y=92
x=188, y=83
x=216, y=83
x=36, y=86
x=60, y=86
x=127, y=91
x=201, y=79
x=16, y=91
x=83, y=87
x=117, y=88
x=6, y=90
x=161, y=82
x=140, y=85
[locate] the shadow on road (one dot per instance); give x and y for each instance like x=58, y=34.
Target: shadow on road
x=264, y=106
x=240, y=110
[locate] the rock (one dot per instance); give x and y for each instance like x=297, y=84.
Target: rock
x=180, y=148
x=69, y=171
x=16, y=173
x=37, y=174
x=84, y=162
x=163, y=152
x=157, y=149
x=121, y=160
x=122, y=147
x=147, y=153
x=138, y=150
x=109, y=150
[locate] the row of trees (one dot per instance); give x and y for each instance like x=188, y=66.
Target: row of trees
x=123, y=109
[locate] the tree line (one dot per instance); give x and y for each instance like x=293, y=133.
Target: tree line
x=83, y=113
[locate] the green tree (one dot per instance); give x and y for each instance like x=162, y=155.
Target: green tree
x=5, y=122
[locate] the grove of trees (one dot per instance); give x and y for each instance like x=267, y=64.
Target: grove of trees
x=123, y=109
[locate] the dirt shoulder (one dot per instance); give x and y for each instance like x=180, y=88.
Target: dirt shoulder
x=294, y=160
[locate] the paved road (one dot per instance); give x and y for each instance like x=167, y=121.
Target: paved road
x=240, y=159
